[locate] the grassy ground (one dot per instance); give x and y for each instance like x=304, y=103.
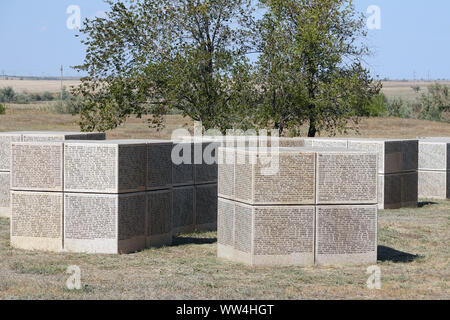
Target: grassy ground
x=413, y=256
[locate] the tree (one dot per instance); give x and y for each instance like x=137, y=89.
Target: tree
x=146, y=57
x=310, y=70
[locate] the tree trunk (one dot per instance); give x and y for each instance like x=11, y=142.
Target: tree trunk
x=312, y=128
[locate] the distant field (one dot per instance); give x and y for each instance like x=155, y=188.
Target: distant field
x=391, y=89
x=37, y=86
x=403, y=89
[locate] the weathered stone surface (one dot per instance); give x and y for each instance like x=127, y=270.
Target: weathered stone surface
x=283, y=177
x=159, y=218
x=105, y=167
x=37, y=220
x=159, y=165
x=5, y=195
x=225, y=228
x=206, y=207
x=5, y=148
x=328, y=143
x=104, y=223
x=345, y=177
x=225, y=181
x=37, y=166
x=394, y=156
x=206, y=162
x=266, y=235
x=183, y=164
x=434, y=154
x=183, y=209
x=399, y=190
x=434, y=184
x=346, y=235
x=42, y=136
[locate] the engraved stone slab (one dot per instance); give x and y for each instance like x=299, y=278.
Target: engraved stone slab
x=346, y=235
x=266, y=235
x=159, y=165
x=104, y=223
x=206, y=162
x=159, y=218
x=182, y=164
x=329, y=143
x=36, y=221
x=5, y=195
x=434, y=184
x=434, y=154
x=5, y=148
x=345, y=177
x=286, y=176
x=42, y=136
x=394, y=156
x=37, y=166
x=399, y=190
x=225, y=180
x=206, y=207
x=105, y=167
x=225, y=228
x=183, y=209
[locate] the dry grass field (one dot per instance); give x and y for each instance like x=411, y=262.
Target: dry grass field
x=37, y=86
x=403, y=89
x=413, y=255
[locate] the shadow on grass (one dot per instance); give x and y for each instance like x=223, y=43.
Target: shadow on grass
x=386, y=254
x=426, y=203
x=181, y=241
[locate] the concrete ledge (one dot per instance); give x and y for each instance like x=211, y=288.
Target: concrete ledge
x=347, y=259
x=37, y=244
x=104, y=246
x=5, y=212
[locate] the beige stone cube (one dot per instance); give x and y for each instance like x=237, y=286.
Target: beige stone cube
x=434, y=154
x=346, y=235
x=434, y=184
x=159, y=218
x=394, y=156
x=42, y=136
x=37, y=221
x=105, y=223
x=5, y=195
x=266, y=235
x=105, y=166
x=346, y=177
x=37, y=166
x=284, y=176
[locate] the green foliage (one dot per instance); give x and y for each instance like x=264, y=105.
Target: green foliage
x=310, y=70
x=2, y=109
x=375, y=107
x=148, y=57
x=7, y=94
x=435, y=102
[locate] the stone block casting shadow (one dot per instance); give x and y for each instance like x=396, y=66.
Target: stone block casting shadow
x=389, y=254
x=180, y=241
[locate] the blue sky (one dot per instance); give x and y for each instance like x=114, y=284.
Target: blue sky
x=414, y=38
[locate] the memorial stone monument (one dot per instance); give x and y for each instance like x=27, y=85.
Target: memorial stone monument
x=434, y=168
x=319, y=207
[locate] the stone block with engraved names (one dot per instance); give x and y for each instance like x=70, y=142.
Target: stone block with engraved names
x=105, y=223
x=265, y=235
x=37, y=220
x=105, y=166
x=37, y=166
